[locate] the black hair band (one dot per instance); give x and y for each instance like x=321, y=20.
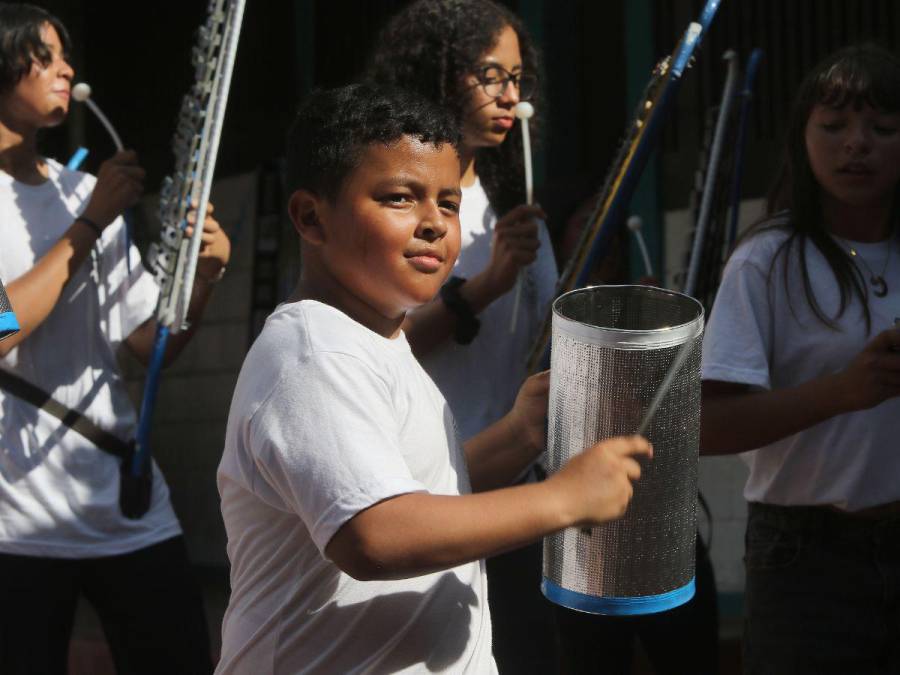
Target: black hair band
x=91, y=224
x=467, y=324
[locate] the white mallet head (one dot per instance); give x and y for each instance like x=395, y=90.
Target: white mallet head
x=81, y=92
x=524, y=110
x=634, y=223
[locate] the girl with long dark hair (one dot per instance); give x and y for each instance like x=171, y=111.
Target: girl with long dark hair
x=801, y=366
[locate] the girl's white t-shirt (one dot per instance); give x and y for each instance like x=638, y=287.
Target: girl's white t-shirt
x=765, y=335
x=59, y=494
x=480, y=380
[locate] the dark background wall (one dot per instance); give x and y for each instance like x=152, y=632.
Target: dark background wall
x=136, y=57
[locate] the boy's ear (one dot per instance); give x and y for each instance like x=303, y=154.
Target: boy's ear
x=304, y=208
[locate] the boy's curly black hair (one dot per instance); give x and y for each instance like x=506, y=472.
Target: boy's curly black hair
x=21, y=42
x=430, y=46
x=334, y=126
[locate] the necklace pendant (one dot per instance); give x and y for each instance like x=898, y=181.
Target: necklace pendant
x=879, y=286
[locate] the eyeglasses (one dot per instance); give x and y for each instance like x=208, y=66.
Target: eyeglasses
x=494, y=80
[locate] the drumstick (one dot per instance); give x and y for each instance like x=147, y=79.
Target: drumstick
x=82, y=92
x=524, y=111
x=634, y=224
x=663, y=389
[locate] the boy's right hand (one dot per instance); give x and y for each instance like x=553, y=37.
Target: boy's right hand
x=596, y=485
x=120, y=183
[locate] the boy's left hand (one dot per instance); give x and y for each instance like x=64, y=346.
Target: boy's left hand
x=215, y=247
x=529, y=412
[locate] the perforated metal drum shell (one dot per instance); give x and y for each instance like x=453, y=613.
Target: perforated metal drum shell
x=612, y=348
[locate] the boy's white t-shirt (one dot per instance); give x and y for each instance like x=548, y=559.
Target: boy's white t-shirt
x=59, y=494
x=328, y=418
x=481, y=379
x=765, y=335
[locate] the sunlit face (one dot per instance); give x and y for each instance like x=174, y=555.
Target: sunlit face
x=391, y=236
x=41, y=98
x=487, y=120
x=854, y=154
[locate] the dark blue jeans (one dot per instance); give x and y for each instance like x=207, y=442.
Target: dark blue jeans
x=822, y=592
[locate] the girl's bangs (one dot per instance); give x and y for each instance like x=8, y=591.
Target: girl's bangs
x=859, y=78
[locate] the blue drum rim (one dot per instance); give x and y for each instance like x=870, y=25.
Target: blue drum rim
x=618, y=606
x=8, y=322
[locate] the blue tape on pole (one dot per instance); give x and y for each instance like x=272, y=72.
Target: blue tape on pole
x=689, y=43
x=8, y=323
x=592, y=604
x=692, y=37
x=709, y=11
x=76, y=160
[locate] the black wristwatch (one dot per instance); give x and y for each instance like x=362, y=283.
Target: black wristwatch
x=467, y=324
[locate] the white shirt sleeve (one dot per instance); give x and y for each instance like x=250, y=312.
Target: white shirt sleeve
x=327, y=442
x=739, y=334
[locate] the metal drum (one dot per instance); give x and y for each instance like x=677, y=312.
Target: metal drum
x=8, y=323
x=613, y=346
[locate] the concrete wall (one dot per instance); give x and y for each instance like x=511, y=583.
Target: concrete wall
x=721, y=478
x=721, y=483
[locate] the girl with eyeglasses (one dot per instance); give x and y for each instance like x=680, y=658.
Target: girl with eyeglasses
x=475, y=58
x=801, y=366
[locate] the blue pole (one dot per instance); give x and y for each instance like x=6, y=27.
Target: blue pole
x=747, y=98
x=142, y=441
